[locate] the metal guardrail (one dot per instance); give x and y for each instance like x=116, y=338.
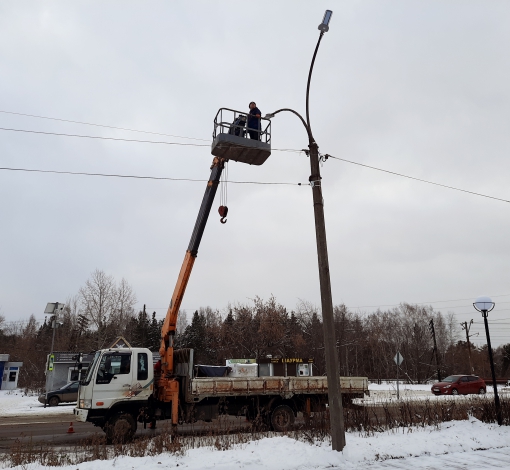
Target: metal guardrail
x=231, y=121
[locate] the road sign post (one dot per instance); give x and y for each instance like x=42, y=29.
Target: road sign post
x=398, y=360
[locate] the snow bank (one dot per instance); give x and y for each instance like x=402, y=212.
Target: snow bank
x=17, y=403
x=387, y=392
x=284, y=453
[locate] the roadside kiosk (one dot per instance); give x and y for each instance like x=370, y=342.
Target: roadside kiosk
x=9, y=373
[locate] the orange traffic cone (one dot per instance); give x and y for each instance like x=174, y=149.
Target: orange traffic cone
x=71, y=429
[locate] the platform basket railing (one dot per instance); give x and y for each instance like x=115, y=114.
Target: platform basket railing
x=227, y=121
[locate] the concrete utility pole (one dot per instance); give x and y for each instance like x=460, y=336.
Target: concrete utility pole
x=467, y=327
x=332, y=370
x=334, y=395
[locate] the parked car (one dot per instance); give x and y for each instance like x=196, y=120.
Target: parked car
x=459, y=385
x=66, y=394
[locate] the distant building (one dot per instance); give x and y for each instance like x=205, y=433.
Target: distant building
x=9, y=373
x=61, y=368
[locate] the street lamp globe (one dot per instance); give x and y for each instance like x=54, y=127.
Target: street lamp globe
x=483, y=304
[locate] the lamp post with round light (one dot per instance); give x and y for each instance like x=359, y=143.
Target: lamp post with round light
x=484, y=305
x=330, y=351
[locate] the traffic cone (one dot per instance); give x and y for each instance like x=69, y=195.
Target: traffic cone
x=71, y=429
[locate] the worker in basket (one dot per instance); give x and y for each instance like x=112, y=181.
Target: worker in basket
x=254, y=121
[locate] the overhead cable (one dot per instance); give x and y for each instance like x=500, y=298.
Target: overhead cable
x=105, y=138
x=282, y=150
x=102, y=125
x=162, y=178
x=165, y=142
x=427, y=303
x=418, y=179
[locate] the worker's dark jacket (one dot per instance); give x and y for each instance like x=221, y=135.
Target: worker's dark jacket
x=254, y=122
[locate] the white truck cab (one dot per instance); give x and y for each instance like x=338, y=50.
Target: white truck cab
x=115, y=377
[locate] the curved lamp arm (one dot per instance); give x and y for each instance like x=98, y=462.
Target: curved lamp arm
x=310, y=78
x=308, y=130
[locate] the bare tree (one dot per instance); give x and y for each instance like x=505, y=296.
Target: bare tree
x=107, y=305
x=125, y=300
x=98, y=298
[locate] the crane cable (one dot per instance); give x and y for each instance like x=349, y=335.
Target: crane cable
x=223, y=209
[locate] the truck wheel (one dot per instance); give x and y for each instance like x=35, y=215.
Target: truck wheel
x=282, y=418
x=53, y=401
x=120, y=428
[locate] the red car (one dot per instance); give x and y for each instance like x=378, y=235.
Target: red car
x=459, y=385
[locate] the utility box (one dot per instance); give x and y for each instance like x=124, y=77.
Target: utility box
x=304, y=370
x=266, y=370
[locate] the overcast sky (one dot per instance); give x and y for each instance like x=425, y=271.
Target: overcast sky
x=415, y=87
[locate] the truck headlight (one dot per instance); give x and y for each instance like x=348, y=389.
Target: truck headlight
x=85, y=404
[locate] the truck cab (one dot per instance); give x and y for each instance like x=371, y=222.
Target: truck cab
x=119, y=379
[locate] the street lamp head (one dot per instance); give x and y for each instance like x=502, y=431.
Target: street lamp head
x=53, y=307
x=324, y=26
x=269, y=116
x=483, y=304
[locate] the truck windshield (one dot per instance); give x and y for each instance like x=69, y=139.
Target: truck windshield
x=91, y=368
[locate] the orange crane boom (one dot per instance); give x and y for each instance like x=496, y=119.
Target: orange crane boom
x=167, y=386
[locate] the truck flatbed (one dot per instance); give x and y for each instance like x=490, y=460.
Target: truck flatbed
x=286, y=387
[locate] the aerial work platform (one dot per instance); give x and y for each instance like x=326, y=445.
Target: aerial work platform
x=231, y=138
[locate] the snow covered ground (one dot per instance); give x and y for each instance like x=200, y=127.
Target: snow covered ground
x=387, y=392
x=17, y=403
x=456, y=444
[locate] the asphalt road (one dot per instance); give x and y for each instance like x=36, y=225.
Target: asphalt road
x=53, y=429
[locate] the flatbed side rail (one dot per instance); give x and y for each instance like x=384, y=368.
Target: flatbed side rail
x=285, y=386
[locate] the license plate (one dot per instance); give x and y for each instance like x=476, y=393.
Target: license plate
x=436, y=390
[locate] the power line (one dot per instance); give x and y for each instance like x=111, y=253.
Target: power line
x=418, y=179
x=427, y=303
x=104, y=138
x=164, y=142
x=102, y=125
x=161, y=178
x=282, y=150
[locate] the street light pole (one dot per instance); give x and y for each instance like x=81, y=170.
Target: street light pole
x=331, y=355
x=52, y=308
x=484, y=305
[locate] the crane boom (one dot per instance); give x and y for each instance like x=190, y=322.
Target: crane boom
x=170, y=323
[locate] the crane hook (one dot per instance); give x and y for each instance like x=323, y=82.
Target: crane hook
x=223, y=211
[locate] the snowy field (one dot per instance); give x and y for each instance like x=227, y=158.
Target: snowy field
x=17, y=403
x=458, y=444
x=387, y=392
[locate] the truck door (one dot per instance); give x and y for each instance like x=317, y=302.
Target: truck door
x=113, y=379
